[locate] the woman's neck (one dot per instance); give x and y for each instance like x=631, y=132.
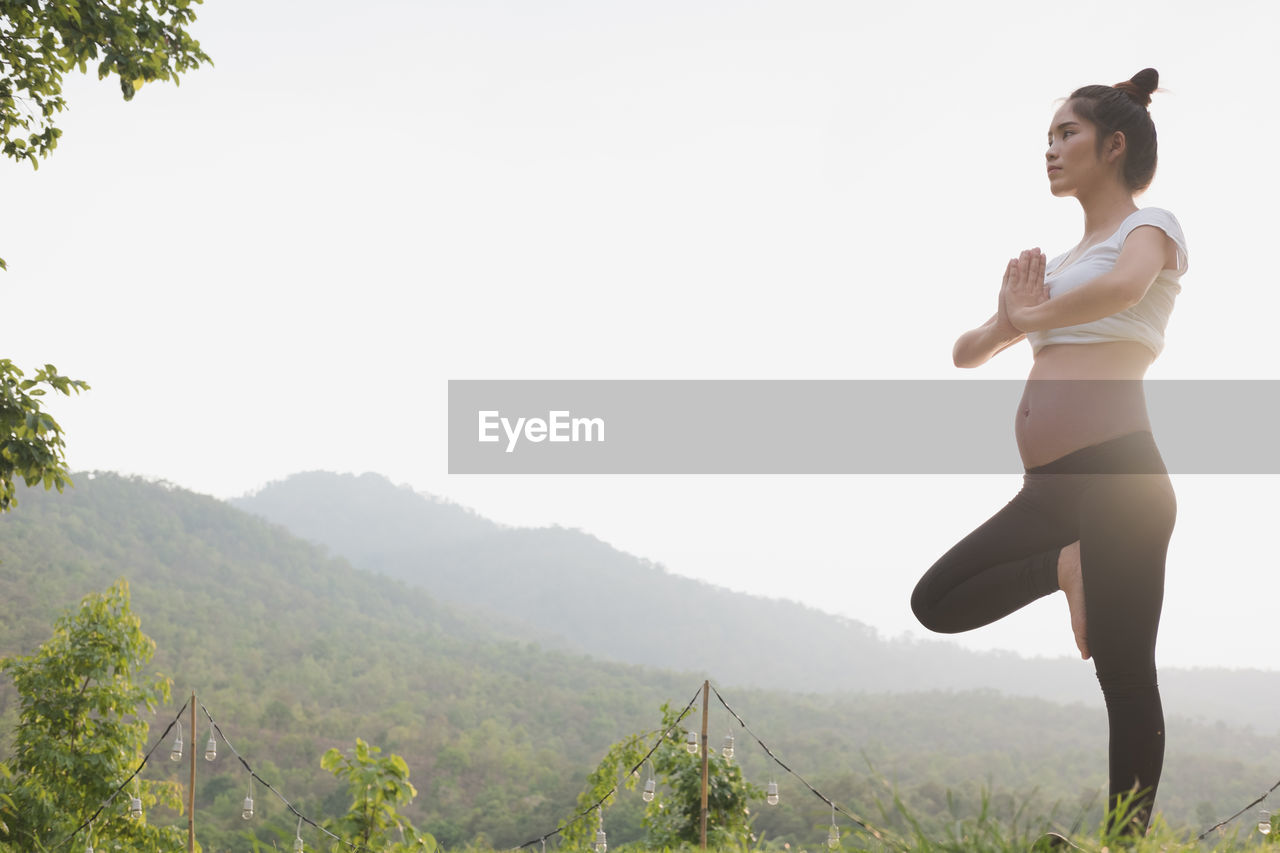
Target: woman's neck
x=1104, y=209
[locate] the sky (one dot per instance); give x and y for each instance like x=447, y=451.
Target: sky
x=278, y=265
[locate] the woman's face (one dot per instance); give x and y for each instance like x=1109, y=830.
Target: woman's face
x=1072, y=157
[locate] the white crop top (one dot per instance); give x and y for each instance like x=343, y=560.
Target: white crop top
x=1144, y=322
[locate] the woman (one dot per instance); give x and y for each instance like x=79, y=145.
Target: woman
x=1096, y=508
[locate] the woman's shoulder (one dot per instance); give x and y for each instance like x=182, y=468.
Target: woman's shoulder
x=1157, y=216
x=1165, y=221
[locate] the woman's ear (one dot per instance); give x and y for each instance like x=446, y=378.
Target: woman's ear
x=1116, y=147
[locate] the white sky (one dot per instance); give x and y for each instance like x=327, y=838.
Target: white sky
x=278, y=265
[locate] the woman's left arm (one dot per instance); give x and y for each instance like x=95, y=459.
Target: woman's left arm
x=1141, y=259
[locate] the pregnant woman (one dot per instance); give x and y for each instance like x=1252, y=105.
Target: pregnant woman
x=1096, y=508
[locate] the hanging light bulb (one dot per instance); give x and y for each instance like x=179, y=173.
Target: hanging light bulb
x=175, y=754
x=601, y=844
x=649, y=788
x=771, y=795
x=135, y=807
x=833, y=837
x=246, y=811
x=1264, y=821
x=691, y=742
x=89, y=848
x=211, y=749
x=727, y=749
x=297, y=837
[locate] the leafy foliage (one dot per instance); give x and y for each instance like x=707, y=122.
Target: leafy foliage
x=674, y=818
x=31, y=445
x=378, y=787
x=139, y=42
x=79, y=735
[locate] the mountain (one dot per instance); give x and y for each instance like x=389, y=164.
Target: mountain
x=293, y=651
x=573, y=591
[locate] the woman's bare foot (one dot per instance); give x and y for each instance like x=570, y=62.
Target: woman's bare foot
x=1071, y=581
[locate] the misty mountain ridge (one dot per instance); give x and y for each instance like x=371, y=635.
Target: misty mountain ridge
x=565, y=588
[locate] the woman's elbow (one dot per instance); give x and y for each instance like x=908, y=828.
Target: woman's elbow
x=961, y=358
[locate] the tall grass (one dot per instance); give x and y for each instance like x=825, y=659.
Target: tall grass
x=985, y=832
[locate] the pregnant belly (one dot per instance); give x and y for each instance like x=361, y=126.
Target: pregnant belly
x=1066, y=406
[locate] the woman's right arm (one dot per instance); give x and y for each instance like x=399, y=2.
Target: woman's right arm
x=977, y=346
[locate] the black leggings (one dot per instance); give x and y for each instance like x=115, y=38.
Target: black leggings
x=1116, y=499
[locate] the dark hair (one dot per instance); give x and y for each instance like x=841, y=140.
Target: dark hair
x=1123, y=107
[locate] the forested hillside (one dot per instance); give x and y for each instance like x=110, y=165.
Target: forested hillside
x=571, y=589
x=294, y=651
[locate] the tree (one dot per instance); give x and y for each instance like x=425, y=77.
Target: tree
x=79, y=735
x=31, y=445
x=39, y=42
x=674, y=818
x=378, y=786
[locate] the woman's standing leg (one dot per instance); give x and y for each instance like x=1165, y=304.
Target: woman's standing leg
x=1126, y=521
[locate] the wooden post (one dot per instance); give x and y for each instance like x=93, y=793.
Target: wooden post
x=706, y=695
x=191, y=788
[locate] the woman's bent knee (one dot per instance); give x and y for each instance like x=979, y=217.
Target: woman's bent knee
x=926, y=610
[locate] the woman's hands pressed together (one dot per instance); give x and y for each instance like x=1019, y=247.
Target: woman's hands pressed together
x=1023, y=288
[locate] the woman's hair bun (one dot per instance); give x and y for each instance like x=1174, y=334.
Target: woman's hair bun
x=1140, y=86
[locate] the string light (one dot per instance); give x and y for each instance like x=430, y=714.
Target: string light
x=247, y=811
x=298, y=846
x=691, y=742
x=1221, y=825
x=650, y=786
x=252, y=776
x=669, y=732
x=175, y=753
x=211, y=748
x=771, y=797
x=833, y=837
x=602, y=845
x=1264, y=821
x=135, y=801
x=862, y=824
x=727, y=749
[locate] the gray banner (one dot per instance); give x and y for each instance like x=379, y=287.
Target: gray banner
x=808, y=427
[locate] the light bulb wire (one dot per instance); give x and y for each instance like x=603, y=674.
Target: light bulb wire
x=213, y=725
x=871, y=830
x=1223, y=823
x=599, y=804
x=175, y=721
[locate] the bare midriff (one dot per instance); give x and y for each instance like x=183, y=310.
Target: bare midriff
x=1078, y=395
